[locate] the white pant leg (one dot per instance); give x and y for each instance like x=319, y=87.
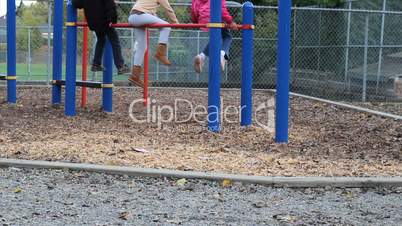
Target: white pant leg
x=140, y=34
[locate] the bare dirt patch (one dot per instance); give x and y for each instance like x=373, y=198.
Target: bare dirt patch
x=325, y=140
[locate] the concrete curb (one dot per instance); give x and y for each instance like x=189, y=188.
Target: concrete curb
x=356, y=108
x=292, y=182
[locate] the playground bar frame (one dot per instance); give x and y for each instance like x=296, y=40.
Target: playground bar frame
x=57, y=50
x=247, y=67
x=214, y=76
x=11, y=53
x=215, y=26
x=283, y=73
x=146, y=70
x=71, y=61
x=181, y=26
x=107, y=88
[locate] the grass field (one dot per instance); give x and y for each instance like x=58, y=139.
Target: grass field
x=38, y=72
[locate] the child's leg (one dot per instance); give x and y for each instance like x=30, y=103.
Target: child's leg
x=205, y=52
x=100, y=43
x=226, y=41
x=142, y=19
x=115, y=42
x=140, y=36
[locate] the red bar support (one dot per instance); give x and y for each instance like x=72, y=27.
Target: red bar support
x=84, y=65
x=146, y=69
x=182, y=26
x=127, y=25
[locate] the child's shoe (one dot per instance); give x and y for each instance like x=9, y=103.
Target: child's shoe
x=198, y=63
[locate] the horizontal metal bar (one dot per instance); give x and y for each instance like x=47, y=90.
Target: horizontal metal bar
x=3, y=77
x=182, y=26
x=88, y=84
x=351, y=46
x=334, y=10
x=178, y=4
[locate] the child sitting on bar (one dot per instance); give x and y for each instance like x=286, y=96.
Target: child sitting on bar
x=144, y=12
x=200, y=13
x=99, y=14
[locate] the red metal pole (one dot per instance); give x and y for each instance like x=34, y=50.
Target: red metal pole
x=123, y=25
x=84, y=65
x=182, y=26
x=146, y=68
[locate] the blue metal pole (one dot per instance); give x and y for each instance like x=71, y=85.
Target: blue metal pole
x=57, y=49
x=71, y=60
x=283, y=74
x=11, y=53
x=214, y=84
x=107, y=94
x=247, y=66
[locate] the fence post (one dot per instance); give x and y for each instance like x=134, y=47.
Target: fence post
x=384, y=7
x=11, y=53
x=57, y=49
x=29, y=54
x=71, y=60
x=348, y=42
x=84, y=75
x=282, y=79
x=366, y=43
x=247, y=66
x=49, y=22
x=197, y=76
x=108, y=79
x=319, y=42
x=294, y=49
x=214, y=78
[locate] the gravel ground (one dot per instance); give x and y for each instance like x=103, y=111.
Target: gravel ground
x=325, y=140
x=55, y=197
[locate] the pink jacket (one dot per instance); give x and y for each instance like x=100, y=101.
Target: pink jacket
x=200, y=12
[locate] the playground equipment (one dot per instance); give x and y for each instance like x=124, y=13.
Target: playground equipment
x=215, y=26
x=11, y=54
x=283, y=74
x=214, y=70
x=71, y=60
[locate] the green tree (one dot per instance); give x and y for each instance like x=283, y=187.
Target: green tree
x=33, y=15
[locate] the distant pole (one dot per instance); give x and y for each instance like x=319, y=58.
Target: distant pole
x=49, y=24
x=71, y=60
x=11, y=53
x=57, y=49
x=107, y=88
x=214, y=82
x=84, y=64
x=283, y=72
x=247, y=66
x=365, y=58
x=380, y=54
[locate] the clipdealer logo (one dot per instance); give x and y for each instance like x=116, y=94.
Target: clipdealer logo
x=183, y=111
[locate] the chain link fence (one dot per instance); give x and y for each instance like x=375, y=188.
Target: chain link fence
x=343, y=54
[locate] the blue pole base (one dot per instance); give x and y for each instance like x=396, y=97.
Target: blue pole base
x=107, y=95
x=12, y=91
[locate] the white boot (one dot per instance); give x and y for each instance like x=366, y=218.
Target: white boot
x=223, y=61
x=199, y=62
